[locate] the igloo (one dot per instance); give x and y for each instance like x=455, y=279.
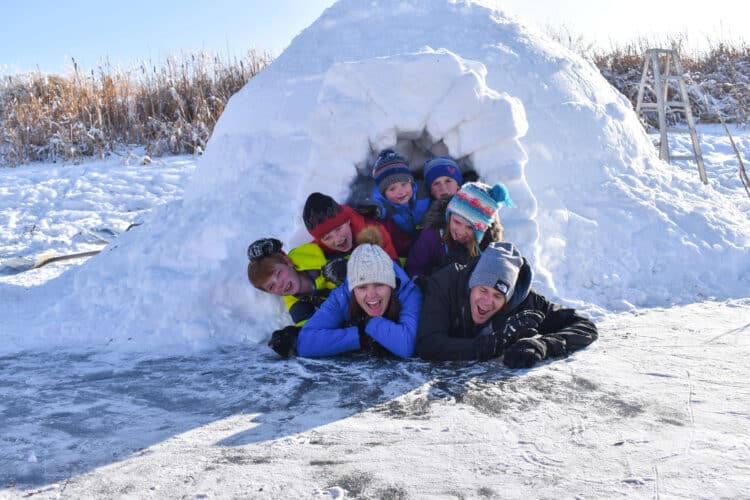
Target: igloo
x=426, y=77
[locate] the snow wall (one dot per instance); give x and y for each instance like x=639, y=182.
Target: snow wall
x=607, y=225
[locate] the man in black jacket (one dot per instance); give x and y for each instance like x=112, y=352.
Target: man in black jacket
x=487, y=309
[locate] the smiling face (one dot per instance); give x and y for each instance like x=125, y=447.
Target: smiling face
x=373, y=298
x=283, y=280
x=399, y=192
x=460, y=229
x=443, y=187
x=340, y=239
x=485, y=302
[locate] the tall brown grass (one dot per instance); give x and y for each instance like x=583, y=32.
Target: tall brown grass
x=172, y=107
x=167, y=108
x=718, y=76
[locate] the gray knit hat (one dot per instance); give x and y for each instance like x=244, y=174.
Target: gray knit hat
x=498, y=268
x=370, y=264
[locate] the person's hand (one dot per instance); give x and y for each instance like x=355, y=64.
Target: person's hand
x=263, y=248
x=371, y=210
x=335, y=270
x=366, y=343
x=525, y=353
x=284, y=341
x=486, y=345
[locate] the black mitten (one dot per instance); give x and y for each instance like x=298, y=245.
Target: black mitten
x=556, y=345
x=371, y=210
x=263, y=248
x=470, y=175
x=486, y=346
x=284, y=341
x=366, y=343
x=525, y=353
x=335, y=270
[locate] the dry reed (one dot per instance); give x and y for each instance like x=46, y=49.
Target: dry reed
x=170, y=108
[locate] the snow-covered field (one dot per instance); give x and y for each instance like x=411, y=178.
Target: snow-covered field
x=49, y=210
x=657, y=408
x=142, y=372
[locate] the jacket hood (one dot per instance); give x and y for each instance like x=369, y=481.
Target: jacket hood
x=523, y=285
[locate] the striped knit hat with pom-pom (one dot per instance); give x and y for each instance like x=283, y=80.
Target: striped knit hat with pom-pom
x=390, y=167
x=477, y=203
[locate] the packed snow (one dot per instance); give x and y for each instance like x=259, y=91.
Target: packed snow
x=143, y=370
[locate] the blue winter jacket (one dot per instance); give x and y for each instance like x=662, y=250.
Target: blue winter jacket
x=408, y=217
x=329, y=330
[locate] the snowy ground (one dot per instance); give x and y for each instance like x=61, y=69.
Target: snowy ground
x=142, y=372
x=657, y=407
x=50, y=209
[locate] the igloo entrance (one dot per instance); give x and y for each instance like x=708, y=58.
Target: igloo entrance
x=430, y=104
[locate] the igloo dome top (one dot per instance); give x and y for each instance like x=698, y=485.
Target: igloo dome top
x=606, y=224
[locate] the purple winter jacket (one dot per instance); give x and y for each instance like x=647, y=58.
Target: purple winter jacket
x=425, y=254
x=429, y=253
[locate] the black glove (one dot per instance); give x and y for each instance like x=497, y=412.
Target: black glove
x=284, y=341
x=366, y=343
x=470, y=175
x=335, y=270
x=263, y=248
x=525, y=353
x=486, y=345
x=371, y=210
x=555, y=344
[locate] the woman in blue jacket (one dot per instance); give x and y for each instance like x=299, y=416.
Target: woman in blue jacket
x=377, y=308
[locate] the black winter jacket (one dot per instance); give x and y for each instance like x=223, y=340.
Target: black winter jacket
x=447, y=332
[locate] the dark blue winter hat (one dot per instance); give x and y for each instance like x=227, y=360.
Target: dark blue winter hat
x=390, y=167
x=498, y=268
x=442, y=166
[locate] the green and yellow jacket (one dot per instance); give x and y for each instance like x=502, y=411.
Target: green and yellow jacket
x=309, y=260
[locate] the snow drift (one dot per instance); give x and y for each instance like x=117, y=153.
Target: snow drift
x=607, y=225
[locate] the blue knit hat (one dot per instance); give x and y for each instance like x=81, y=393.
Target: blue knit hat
x=390, y=167
x=439, y=167
x=478, y=203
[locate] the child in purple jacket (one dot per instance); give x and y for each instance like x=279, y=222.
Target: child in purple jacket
x=458, y=229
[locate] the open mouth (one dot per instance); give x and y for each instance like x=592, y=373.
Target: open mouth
x=288, y=287
x=373, y=306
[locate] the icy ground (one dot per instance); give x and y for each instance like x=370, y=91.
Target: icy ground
x=143, y=372
x=656, y=408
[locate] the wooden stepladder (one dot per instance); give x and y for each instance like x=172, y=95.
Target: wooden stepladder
x=664, y=81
